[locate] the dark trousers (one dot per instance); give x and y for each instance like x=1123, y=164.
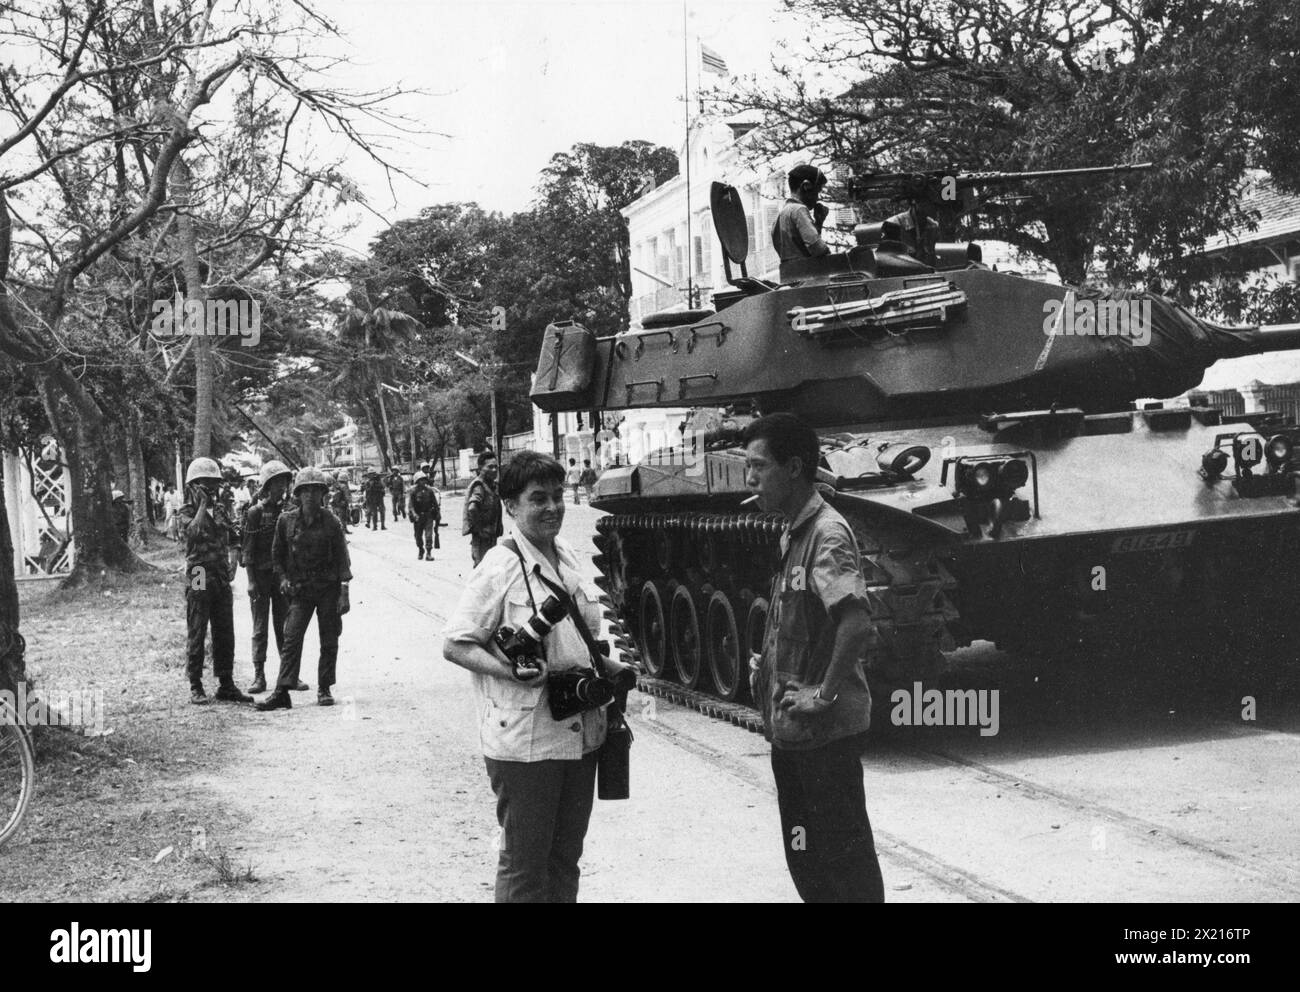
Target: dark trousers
x=398, y=509
x=268, y=603
x=325, y=604
x=543, y=808
x=426, y=531
x=827, y=836
x=375, y=514
x=211, y=606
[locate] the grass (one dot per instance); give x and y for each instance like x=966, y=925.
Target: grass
x=107, y=807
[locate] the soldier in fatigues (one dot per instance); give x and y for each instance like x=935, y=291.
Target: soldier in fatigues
x=311, y=565
x=207, y=531
x=483, y=508
x=268, y=602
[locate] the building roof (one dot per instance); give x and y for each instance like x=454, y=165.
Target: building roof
x=1279, y=217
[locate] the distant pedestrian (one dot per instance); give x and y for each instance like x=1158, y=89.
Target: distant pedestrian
x=809, y=682
x=313, y=570
x=588, y=478
x=426, y=514
x=397, y=490
x=340, y=500
x=208, y=532
x=573, y=477
x=483, y=508
x=373, y=494
x=171, y=506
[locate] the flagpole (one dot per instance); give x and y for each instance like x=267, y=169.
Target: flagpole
x=686, y=101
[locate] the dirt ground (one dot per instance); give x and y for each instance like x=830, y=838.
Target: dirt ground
x=1102, y=790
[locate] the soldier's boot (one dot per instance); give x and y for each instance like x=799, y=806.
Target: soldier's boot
x=301, y=686
x=420, y=557
x=278, y=700
x=323, y=697
x=229, y=692
x=259, y=680
x=197, y=696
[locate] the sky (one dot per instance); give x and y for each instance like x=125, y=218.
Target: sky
x=509, y=84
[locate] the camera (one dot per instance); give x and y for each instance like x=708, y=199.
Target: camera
x=578, y=689
x=523, y=647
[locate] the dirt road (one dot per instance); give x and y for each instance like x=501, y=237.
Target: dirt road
x=384, y=797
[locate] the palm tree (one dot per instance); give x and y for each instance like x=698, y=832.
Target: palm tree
x=370, y=354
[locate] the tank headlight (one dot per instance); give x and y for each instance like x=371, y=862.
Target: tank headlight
x=1012, y=475
x=1278, y=451
x=990, y=477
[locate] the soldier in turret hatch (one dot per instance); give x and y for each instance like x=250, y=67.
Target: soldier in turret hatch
x=797, y=232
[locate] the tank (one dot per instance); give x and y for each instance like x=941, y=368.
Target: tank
x=999, y=446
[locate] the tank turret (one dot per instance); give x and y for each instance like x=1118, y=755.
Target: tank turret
x=848, y=338
x=978, y=433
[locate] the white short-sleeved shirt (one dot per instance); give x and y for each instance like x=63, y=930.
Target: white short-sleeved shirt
x=515, y=722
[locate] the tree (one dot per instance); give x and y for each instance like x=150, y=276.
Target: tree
x=1195, y=86
x=108, y=101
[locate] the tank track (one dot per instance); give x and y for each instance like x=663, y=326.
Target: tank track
x=683, y=637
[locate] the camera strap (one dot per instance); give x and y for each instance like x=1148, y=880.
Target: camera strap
x=509, y=542
x=562, y=594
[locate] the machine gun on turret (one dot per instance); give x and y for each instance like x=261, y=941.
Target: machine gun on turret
x=937, y=199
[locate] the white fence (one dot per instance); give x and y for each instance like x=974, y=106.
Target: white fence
x=38, y=502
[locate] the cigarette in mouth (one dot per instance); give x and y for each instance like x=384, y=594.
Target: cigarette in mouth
x=752, y=499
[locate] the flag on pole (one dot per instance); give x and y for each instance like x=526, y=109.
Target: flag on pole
x=711, y=61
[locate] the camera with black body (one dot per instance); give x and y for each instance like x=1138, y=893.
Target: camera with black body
x=523, y=647
x=577, y=689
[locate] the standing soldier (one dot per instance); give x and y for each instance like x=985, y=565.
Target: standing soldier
x=397, y=490
x=311, y=565
x=373, y=493
x=483, y=508
x=425, y=516
x=207, y=530
x=263, y=591
x=341, y=499
x=588, y=478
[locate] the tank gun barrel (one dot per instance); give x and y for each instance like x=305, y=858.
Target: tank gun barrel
x=1272, y=337
x=931, y=184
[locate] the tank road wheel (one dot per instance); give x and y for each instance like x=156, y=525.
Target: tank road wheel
x=652, y=631
x=684, y=633
x=724, y=645
x=755, y=625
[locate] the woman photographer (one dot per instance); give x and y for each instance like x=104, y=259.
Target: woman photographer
x=542, y=770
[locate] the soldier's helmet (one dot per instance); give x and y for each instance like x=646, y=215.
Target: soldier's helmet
x=419, y=477
x=118, y=494
x=310, y=477
x=271, y=470
x=202, y=468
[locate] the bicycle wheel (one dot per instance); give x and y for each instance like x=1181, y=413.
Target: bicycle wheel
x=17, y=774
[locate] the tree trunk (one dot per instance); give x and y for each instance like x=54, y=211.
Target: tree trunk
x=139, y=491
x=384, y=453
x=12, y=666
x=90, y=469
x=195, y=293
